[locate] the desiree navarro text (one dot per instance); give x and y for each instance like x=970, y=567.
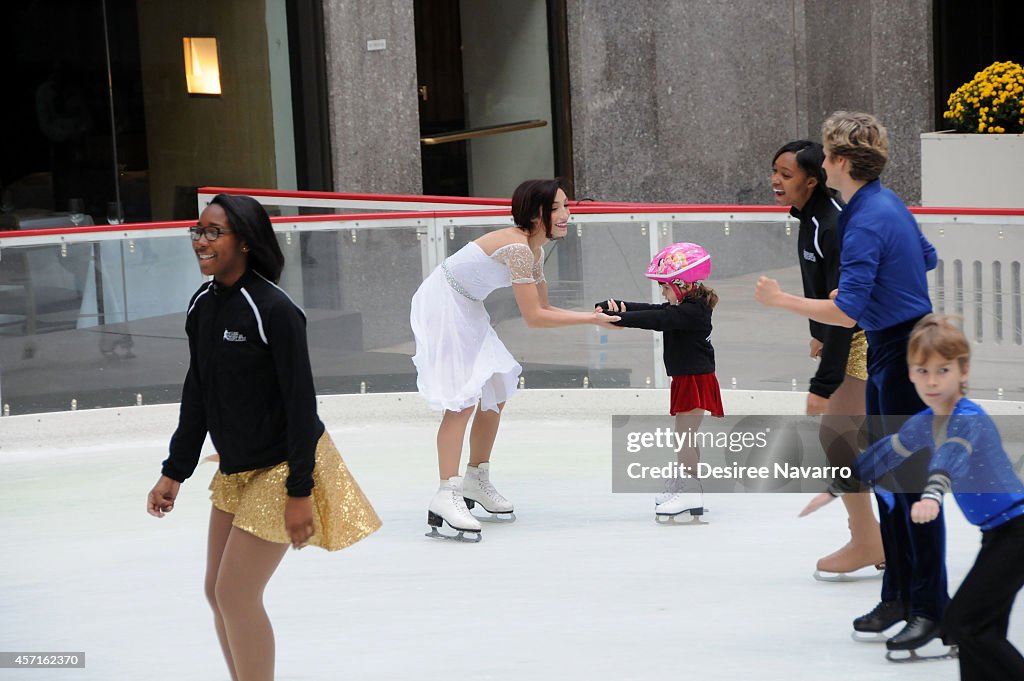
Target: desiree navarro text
x=668, y=437
x=705, y=471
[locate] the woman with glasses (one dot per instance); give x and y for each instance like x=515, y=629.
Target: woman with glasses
x=250, y=387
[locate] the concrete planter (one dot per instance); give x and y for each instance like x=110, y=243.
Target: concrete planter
x=972, y=171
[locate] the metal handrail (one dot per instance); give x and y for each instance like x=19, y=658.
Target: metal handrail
x=486, y=131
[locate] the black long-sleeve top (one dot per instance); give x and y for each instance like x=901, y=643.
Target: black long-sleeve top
x=819, y=247
x=249, y=384
x=686, y=328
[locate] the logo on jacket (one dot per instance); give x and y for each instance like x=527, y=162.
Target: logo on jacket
x=809, y=255
x=233, y=336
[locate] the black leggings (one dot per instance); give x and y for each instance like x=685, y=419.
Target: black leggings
x=979, y=614
x=915, y=553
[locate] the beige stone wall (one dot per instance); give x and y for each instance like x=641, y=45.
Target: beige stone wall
x=196, y=141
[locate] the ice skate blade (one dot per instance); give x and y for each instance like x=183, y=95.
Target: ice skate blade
x=497, y=518
x=494, y=517
x=435, y=521
x=869, y=637
x=460, y=537
x=859, y=575
x=695, y=517
x=902, y=656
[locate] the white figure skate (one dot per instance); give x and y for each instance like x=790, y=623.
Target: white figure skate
x=674, y=486
x=477, y=489
x=448, y=506
x=690, y=499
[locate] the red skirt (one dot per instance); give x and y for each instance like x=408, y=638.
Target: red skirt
x=698, y=391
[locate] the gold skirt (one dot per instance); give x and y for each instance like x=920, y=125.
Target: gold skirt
x=857, y=362
x=341, y=513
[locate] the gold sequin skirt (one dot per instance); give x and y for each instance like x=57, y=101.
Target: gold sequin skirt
x=342, y=515
x=857, y=362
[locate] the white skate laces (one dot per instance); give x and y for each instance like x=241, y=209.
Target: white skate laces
x=478, y=489
x=673, y=486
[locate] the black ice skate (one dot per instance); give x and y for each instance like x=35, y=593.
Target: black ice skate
x=919, y=631
x=868, y=628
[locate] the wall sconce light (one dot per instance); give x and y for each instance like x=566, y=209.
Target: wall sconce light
x=202, y=69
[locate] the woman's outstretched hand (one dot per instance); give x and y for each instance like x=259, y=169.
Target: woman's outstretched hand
x=817, y=502
x=298, y=520
x=605, y=320
x=161, y=498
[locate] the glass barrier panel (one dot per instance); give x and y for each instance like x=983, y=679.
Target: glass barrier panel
x=355, y=287
x=94, y=324
x=100, y=323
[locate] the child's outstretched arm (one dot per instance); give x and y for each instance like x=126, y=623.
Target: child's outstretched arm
x=618, y=305
x=664, y=317
x=877, y=460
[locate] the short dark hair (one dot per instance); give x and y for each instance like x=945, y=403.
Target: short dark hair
x=809, y=156
x=251, y=224
x=535, y=197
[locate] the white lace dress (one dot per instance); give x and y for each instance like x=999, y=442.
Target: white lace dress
x=459, y=358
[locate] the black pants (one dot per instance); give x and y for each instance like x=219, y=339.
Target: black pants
x=915, y=553
x=979, y=614
x=915, y=558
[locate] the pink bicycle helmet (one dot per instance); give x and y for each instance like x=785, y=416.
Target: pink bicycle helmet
x=683, y=262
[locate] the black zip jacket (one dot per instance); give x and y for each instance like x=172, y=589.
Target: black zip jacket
x=818, y=246
x=249, y=384
x=686, y=328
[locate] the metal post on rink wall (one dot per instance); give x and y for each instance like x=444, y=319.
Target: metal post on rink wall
x=654, y=244
x=431, y=234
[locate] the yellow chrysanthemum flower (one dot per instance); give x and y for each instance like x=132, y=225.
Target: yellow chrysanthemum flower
x=992, y=102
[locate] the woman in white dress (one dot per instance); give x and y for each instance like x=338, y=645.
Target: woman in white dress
x=461, y=363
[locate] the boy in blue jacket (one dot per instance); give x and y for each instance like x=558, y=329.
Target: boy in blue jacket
x=968, y=459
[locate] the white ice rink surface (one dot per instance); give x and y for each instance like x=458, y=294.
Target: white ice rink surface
x=584, y=586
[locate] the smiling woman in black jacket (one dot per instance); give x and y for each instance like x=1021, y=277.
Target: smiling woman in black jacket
x=250, y=387
x=836, y=390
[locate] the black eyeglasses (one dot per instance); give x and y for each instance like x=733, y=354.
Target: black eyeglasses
x=211, y=233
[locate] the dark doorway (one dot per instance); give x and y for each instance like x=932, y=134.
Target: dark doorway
x=56, y=118
x=970, y=35
x=439, y=80
x=309, y=96
x=494, y=94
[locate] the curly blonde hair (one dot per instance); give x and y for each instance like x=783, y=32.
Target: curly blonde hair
x=859, y=138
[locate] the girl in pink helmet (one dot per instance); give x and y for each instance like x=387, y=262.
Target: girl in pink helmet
x=685, y=320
